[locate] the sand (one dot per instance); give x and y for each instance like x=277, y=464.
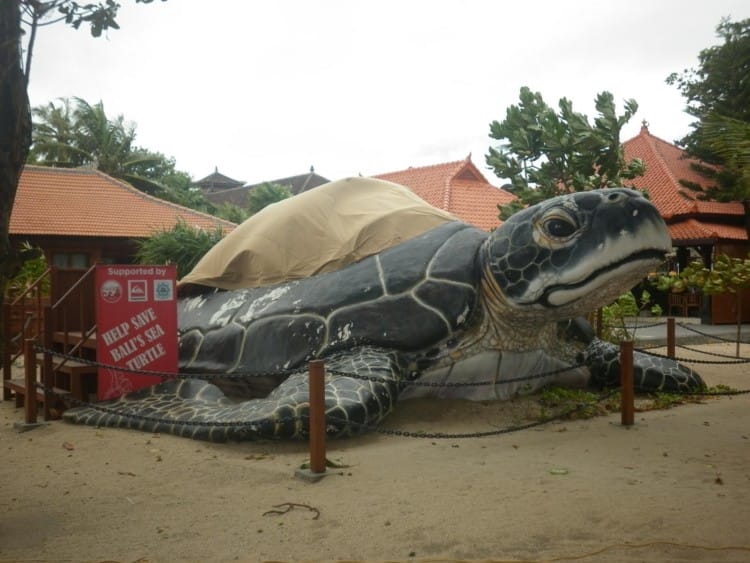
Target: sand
x=673, y=487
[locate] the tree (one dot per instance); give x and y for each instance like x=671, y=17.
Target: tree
x=76, y=133
x=182, y=245
x=547, y=153
x=85, y=135
x=729, y=139
x=53, y=135
x=15, y=114
x=718, y=89
x=266, y=194
x=231, y=212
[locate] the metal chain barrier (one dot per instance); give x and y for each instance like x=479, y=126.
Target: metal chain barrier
x=418, y=383
x=691, y=329
x=707, y=353
x=507, y=430
x=393, y=432
x=249, y=375
x=163, y=374
x=694, y=361
x=637, y=326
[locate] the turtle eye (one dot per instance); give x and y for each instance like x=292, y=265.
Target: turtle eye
x=559, y=227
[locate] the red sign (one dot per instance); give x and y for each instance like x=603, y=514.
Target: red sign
x=136, y=325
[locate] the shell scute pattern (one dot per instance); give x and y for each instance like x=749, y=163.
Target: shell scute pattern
x=388, y=300
x=263, y=348
x=404, y=264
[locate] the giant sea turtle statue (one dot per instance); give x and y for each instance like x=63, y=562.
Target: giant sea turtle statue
x=450, y=307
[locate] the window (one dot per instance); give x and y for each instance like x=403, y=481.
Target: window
x=70, y=260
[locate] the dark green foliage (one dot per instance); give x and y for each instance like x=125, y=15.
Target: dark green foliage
x=547, y=153
x=31, y=266
x=19, y=18
x=266, y=194
x=182, y=245
x=718, y=96
x=76, y=133
x=231, y=212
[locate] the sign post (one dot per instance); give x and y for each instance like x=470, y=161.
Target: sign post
x=136, y=325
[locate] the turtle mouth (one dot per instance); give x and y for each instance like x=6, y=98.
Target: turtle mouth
x=609, y=280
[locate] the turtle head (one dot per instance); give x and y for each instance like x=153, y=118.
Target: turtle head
x=568, y=255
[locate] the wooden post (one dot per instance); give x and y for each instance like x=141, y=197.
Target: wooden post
x=670, y=337
x=48, y=375
x=6, y=350
x=317, y=417
x=626, y=382
x=29, y=364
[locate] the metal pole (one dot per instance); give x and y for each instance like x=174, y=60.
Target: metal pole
x=626, y=381
x=29, y=364
x=670, y=337
x=317, y=417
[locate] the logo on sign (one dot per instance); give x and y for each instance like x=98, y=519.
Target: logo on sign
x=111, y=291
x=137, y=290
x=163, y=290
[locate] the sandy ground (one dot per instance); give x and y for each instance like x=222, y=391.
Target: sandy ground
x=673, y=487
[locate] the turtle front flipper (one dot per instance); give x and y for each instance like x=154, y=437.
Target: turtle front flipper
x=197, y=409
x=650, y=373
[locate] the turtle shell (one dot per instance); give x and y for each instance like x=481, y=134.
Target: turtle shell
x=407, y=297
x=318, y=231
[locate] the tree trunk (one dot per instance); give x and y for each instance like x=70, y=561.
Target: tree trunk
x=15, y=132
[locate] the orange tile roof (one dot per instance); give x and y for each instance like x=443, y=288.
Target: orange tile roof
x=688, y=217
x=457, y=187
x=695, y=230
x=666, y=165
x=86, y=202
x=720, y=208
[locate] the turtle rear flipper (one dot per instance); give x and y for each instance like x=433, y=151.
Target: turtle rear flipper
x=187, y=407
x=650, y=373
x=198, y=409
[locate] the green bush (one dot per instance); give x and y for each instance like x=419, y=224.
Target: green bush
x=182, y=245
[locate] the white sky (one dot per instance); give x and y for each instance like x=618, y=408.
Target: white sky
x=264, y=90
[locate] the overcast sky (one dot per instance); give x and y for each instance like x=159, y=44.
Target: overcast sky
x=264, y=90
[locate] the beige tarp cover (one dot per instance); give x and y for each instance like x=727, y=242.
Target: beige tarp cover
x=317, y=231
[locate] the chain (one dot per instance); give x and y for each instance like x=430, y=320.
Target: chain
x=637, y=326
x=507, y=430
x=688, y=327
x=707, y=353
x=692, y=361
x=163, y=374
x=248, y=375
x=698, y=393
x=418, y=383
x=342, y=422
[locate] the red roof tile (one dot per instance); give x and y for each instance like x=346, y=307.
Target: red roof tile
x=720, y=208
x=695, y=230
x=693, y=219
x=457, y=187
x=86, y=202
